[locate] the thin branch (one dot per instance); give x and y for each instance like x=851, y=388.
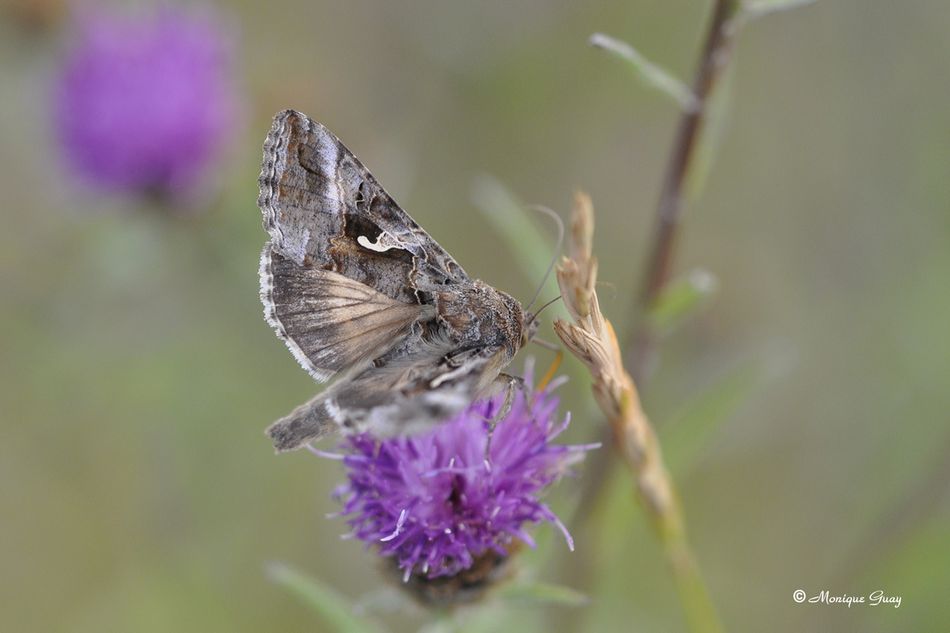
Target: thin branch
x=641, y=346
x=715, y=55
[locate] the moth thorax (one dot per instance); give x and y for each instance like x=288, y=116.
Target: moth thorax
x=478, y=315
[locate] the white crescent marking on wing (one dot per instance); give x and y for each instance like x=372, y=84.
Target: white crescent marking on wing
x=377, y=246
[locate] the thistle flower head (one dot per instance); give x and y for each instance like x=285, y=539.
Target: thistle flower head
x=439, y=501
x=144, y=102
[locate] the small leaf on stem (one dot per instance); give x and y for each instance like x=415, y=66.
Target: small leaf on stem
x=755, y=9
x=651, y=74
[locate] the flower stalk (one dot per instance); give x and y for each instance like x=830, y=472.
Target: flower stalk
x=591, y=338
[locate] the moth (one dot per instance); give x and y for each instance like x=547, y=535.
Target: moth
x=361, y=294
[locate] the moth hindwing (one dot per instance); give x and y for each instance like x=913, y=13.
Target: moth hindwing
x=360, y=293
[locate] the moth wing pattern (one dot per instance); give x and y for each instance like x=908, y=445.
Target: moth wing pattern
x=323, y=208
x=404, y=397
x=330, y=322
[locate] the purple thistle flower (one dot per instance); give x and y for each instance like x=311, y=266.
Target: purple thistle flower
x=435, y=503
x=143, y=103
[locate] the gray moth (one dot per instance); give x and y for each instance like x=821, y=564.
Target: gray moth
x=362, y=295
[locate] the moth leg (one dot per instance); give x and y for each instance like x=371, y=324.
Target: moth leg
x=308, y=422
x=511, y=383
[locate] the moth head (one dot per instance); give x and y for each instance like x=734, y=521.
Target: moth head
x=530, y=329
x=531, y=323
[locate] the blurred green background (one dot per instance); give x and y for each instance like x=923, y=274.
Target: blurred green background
x=806, y=407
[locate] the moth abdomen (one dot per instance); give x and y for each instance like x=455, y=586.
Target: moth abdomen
x=308, y=422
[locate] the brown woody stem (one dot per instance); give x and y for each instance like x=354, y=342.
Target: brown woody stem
x=641, y=351
x=713, y=59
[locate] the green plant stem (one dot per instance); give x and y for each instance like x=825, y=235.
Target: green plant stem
x=698, y=606
x=659, y=498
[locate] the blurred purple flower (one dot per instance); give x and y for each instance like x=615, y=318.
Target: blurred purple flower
x=434, y=501
x=143, y=103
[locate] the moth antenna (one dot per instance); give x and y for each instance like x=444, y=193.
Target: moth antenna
x=533, y=317
x=560, y=242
